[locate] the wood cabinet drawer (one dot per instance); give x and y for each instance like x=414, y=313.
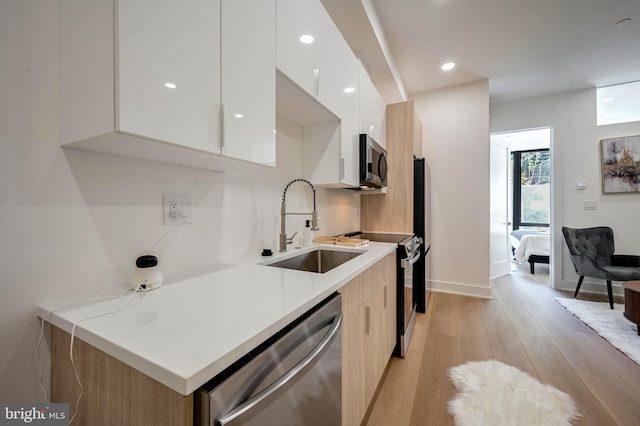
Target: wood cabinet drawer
x=359, y=289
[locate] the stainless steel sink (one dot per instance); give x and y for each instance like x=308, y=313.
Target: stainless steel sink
x=318, y=261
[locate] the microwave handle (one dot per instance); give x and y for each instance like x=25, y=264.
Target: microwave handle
x=383, y=157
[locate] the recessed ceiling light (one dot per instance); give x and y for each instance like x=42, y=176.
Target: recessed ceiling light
x=238, y=115
x=170, y=85
x=448, y=66
x=623, y=22
x=307, y=39
x=349, y=89
x=606, y=100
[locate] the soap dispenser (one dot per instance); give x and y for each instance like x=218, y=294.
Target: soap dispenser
x=307, y=239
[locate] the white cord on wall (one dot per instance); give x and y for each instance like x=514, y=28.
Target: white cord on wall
x=75, y=371
x=73, y=363
x=44, y=318
x=73, y=330
x=163, y=237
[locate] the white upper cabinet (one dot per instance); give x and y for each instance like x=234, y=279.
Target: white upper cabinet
x=338, y=90
x=168, y=73
x=142, y=79
x=312, y=53
x=373, y=119
x=249, y=80
x=298, y=34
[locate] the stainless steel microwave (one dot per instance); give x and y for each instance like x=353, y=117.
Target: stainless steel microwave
x=373, y=163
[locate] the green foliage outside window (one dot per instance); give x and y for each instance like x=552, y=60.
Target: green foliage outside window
x=535, y=190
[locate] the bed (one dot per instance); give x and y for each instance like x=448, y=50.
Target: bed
x=531, y=246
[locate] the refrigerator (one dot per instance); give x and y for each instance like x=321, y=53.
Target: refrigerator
x=422, y=229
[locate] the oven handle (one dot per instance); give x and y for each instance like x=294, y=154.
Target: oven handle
x=406, y=263
x=249, y=408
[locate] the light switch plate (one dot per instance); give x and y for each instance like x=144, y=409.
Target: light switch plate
x=178, y=209
x=590, y=205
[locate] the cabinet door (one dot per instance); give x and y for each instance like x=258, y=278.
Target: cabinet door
x=354, y=402
x=168, y=71
x=296, y=58
x=249, y=80
x=390, y=314
x=338, y=87
x=372, y=109
x=378, y=118
x=375, y=340
x=339, y=69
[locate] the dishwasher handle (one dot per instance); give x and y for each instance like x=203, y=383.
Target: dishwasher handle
x=246, y=410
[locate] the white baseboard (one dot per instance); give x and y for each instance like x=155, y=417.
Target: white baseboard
x=460, y=289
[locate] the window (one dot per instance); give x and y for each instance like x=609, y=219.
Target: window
x=618, y=104
x=531, y=188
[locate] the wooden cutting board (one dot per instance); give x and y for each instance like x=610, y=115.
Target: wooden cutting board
x=341, y=241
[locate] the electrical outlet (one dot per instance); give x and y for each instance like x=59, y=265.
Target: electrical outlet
x=590, y=205
x=173, y=210
x=177, y=209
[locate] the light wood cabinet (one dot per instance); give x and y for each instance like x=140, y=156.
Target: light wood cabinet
x=143, y=79
x=354, y=368
x=391, y=294
x=368, y=305
x=393, y=211
x=114, y=393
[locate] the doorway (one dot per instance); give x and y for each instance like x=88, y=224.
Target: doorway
x=520, y=189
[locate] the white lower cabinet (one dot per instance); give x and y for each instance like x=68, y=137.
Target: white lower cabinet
x=368, y=336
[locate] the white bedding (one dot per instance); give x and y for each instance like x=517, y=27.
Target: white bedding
x=539, y=245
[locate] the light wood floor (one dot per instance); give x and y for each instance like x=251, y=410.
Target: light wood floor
x=521, y=326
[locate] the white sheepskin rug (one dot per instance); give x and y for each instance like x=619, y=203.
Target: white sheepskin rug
x=609, y=323
x=495, y=394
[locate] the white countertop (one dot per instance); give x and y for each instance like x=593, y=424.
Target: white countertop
x=189, y=330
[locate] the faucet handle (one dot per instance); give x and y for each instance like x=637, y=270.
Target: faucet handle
x=290, y=239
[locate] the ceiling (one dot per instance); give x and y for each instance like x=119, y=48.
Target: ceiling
x=524, y=48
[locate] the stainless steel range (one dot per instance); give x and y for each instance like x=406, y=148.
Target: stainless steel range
x=408, y=253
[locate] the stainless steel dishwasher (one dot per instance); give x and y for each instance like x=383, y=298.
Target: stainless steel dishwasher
x=294, y=378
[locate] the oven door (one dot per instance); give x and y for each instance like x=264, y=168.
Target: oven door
x=406, y=302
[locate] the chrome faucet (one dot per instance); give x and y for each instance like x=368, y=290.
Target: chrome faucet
x=283, y=214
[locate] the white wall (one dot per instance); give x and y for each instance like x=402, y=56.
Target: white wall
x=575, y=156
x=455, y=123
x=72, y=221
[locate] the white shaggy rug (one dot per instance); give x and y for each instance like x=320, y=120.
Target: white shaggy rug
x=497, y=394
x=609, y=323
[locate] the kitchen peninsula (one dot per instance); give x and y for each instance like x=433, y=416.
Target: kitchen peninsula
x=168, y=342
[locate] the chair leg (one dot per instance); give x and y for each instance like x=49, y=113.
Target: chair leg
x=579, y=284
x=610, y=291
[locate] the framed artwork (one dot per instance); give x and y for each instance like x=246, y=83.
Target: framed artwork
x=621, y=164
